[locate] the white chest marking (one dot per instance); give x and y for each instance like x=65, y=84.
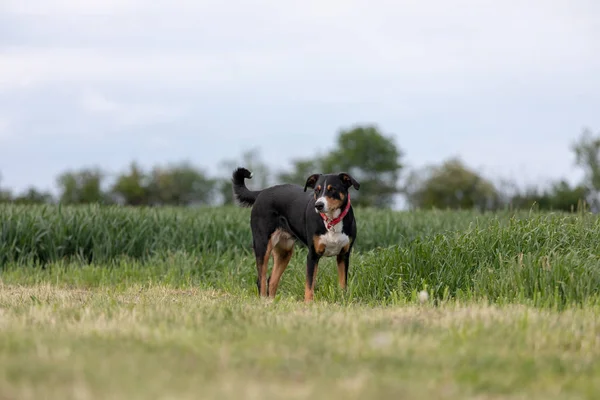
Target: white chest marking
x=334, y=241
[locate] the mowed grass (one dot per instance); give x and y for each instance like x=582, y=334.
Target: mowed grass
x=109, y=302
x=163, y=343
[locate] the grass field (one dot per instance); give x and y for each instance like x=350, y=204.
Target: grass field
x=139, y=303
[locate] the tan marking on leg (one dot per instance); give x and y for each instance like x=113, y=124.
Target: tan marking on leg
x=319, y=246
x=281, y=259
x=341, y=267
x=263, y=268
x=309, y=288
x=346, y=248
x=341, y=264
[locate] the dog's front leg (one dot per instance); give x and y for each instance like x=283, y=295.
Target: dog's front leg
x=312, y=265
x=343, y=263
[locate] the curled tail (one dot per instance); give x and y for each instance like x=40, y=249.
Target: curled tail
x=242, y=195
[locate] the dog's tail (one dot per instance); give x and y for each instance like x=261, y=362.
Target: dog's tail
x=243, y=196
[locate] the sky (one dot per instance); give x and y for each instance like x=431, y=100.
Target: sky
x=505, y=85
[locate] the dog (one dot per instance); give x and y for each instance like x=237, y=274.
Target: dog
x=322, y=220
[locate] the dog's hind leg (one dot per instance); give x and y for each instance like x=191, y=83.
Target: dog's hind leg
x=283, y=248
x=262, y=233
x=262, y=253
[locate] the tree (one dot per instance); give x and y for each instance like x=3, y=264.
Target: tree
x=33, y=196
x=530, y=197
x=365, y=153
x=180, y=184
x=559, y=197
x=5, y=194
x=451, y=185
x=587, y=156
x=566, y=198
x=372, y=159
x=133, y=188
x=301, y=170
x=84, y=186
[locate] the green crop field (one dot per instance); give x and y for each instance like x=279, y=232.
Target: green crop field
x=125, y=303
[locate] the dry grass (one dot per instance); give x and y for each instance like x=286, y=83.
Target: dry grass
x=164, y=343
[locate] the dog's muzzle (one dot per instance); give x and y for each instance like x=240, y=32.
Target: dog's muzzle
x=319, y=206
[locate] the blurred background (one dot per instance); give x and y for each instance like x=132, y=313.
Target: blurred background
x=431, y=103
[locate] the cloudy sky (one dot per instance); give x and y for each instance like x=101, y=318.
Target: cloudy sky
x=507, y=85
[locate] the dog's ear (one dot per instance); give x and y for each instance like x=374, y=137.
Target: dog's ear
x=311, y=181
x=348, y=180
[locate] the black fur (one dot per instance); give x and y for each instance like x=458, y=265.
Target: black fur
x=291, y=209
x=242, y=195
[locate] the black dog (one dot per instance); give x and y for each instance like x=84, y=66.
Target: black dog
x=323, y=221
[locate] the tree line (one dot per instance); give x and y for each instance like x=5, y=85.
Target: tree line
x=372, y=157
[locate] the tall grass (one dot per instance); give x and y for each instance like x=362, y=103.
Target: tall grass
x=541, y=259
x=44, y=234
x=100, y=234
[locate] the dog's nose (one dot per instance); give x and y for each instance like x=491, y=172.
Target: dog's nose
x=319, y=206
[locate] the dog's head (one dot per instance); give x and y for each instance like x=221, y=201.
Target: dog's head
x=331, y=190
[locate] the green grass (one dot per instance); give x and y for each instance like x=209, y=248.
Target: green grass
x=541, y=259
x=158, y=343
x=92, y=233
x=109, y=302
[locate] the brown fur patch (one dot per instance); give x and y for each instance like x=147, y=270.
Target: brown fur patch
x=309, y=287
x=281, y=244
x=319, y=247
x=341, y=266
x=281, y=259
x=346, y=248
x=263, y=266
x=308, y=293
x=282, y=239
x=333, y=204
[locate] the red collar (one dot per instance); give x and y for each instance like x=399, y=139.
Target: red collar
x=330, y=223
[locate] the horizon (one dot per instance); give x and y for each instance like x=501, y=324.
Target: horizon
x=505, y=87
